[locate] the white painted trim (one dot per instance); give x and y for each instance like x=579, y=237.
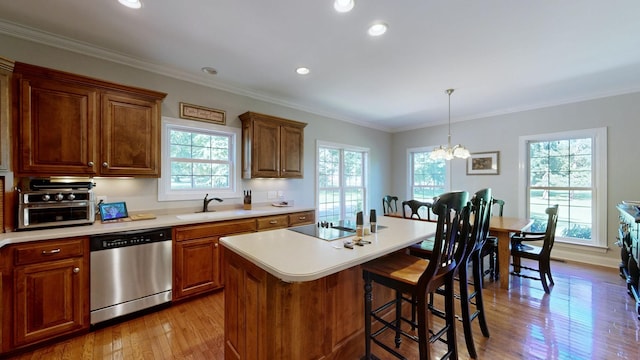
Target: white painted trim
x=408, y=185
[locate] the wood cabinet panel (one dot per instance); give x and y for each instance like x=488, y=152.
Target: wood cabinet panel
x=291, y=150
x=47, y=251
x=197, y=257
x=272, y=147
x=130, y=136
x=209, y=229
x=197, y=268
x=57, y=128
x=302, y=218
x=273, y=222
x=51, y=299
x=69, y=124
x=6, y=70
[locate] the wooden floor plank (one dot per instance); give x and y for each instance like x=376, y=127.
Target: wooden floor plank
x=588, y=315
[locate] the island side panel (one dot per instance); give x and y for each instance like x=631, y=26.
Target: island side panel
x=266, y=318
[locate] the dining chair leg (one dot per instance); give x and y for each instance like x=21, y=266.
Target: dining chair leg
x=424, y=342
x=464, y=307
x=398, y=321
x=477, y=287
x=452, y=349
x=368, y=299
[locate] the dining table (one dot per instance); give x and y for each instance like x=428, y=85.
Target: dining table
x=502, y=227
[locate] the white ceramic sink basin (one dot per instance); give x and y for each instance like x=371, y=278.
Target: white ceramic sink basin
x=219, y=214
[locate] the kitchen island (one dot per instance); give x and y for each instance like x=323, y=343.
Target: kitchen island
x=294, y=296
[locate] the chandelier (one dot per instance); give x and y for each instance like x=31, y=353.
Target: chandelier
x=448, y=152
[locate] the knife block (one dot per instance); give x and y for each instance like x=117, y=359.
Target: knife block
x=247, y=206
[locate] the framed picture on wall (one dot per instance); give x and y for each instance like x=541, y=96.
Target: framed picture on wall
x=485, y=163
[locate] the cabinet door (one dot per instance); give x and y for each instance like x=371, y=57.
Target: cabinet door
x=197, y=267
x=50, y=300
x=291, y=150
x=265, y=154
x=130, y=136
x=57, y=129
x=5, y=103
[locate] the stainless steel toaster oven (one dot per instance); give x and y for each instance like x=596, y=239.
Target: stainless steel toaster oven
x=56, y=207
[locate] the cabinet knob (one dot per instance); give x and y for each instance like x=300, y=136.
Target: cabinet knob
x=273, y=222
x=76, y=270
x=90, y=164
x=215, y=245
x=105, y=164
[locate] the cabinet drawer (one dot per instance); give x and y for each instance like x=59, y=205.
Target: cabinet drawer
x=273, y=222
x=213, y=229
x=306, y=217
x=49, y=250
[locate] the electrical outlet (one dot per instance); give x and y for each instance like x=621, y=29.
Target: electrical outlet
x=280, y=194
x=101, y=198
x=272, y=195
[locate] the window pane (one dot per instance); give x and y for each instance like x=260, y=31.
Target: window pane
x=200, y=160
x=561, y=172
x=428, y=176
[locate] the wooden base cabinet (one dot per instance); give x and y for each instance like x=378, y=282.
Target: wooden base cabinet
x=266, y=318
x=196, y=255
x=49, y=290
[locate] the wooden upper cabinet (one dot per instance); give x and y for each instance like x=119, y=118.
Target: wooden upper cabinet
x=68, y=124
x=272, y=147
x=6, y=71
x=130, y=136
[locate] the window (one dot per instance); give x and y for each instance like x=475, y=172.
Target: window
x=428, y=177
x=198, y=158
x=341, y=181
x=568, y=169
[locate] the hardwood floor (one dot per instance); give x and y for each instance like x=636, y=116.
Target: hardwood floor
x=588, y=315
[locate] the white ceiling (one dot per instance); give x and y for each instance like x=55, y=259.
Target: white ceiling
x=500, y=55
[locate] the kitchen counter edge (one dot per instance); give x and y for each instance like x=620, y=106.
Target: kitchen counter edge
x=161, y=221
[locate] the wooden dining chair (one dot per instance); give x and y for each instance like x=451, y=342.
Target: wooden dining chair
x=541, y=254
x=419, y=277
x=389, y=204
x=415, y=206
x=491, y=246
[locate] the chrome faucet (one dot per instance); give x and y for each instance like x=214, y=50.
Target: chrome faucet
x=205, y=205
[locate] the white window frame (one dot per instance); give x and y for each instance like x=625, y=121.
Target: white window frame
x=427, y=149
x=599, y=212
x=342, y=148
x=164, y=182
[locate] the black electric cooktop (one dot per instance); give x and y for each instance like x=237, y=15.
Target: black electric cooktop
x=329, y=231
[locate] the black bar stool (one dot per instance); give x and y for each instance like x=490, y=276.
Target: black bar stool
x=418, y=277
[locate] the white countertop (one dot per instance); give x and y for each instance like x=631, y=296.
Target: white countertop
x=159, y=222
x=295, y=257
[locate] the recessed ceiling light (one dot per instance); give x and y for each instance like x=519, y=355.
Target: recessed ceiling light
x=303, y=71
x=209, y=70
x=377, y=29
x=134, y=4
x=343, y=5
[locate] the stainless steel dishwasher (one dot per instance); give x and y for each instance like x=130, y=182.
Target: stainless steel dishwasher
x=130, y=271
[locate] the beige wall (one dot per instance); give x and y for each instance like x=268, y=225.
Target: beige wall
x=619, y=114
x=388, y=151
x=141, y=194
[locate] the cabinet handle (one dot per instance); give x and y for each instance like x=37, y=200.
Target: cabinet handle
x=90, y=164
x=302, y=218
x=105, y=164
x=273, y=222
x=50, y=252
x=76, y=270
